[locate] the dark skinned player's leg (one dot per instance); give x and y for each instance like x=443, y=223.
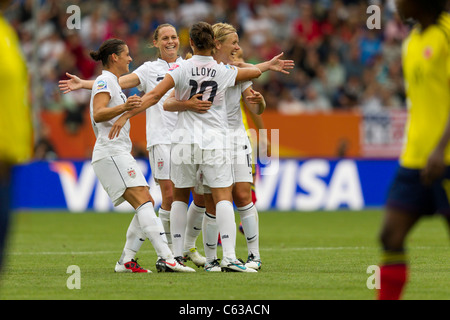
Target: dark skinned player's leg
x=394, y=267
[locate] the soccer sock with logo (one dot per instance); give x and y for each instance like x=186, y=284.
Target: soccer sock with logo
x=178, y=217
x=210, y=234
x=134, y=240
x=249, y=219
x=164, y=215
x=193, y=225
x=152, y=227
x=393, y=275
x=227, y=228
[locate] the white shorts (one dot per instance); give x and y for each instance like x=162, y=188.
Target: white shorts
x=242, y=171
x=159, y=158
x=215, y=165
x=118, y=173
x=242, y=164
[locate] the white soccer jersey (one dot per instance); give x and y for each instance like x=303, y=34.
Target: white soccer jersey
x=104, y=147
x=237, y=132
x=202, y=74
x=160, y=123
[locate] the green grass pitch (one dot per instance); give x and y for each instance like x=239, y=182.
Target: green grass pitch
x=311, y=256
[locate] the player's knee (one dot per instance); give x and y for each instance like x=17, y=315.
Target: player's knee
x=242, y=197
x=390, y=240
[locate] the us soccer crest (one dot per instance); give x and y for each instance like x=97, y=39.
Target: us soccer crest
x=160, y=164
x=132, y=173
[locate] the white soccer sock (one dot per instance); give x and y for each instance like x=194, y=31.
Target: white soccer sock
x=164, y=215
x=134, y=240
x=178, y=216
x=152, y=227
x=210, y=235
x=193, y=225
x=227, y=227
x=249, y=219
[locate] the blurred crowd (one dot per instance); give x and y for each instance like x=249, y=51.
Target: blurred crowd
x=341, y=64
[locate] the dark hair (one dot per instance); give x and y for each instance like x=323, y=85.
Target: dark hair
x=107, y=48
x=202, y=35
x=435, y=7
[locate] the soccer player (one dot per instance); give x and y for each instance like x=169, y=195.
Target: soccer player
x=227, y=47
x=15, y=118
x=159, y=125
x=112, y=162
x=421, y=184
x=199, y=140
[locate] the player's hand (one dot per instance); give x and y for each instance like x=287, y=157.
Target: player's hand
x=133, y=102
x=196, y=104
x=276, y=64
x=117, y=126
x=434, y=168
x=74, y=83
x=256, y=97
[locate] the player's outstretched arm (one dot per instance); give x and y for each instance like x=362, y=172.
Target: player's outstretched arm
x=248, y=73
x=275, y=64
x=74, y=83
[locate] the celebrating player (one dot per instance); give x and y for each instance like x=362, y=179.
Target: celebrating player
x=227, y=48
x=159, y=125
x=420, y=186
x=112, y=162
x=200, y=139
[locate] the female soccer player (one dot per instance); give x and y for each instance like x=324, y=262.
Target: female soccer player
x=159, y=125
x=112, y=162
x=199, y=140
x=421, y=185
x=227, y=50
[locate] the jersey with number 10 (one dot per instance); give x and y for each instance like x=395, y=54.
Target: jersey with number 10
x=202, y=74
x=426, y=65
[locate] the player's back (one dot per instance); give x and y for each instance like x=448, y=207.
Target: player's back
x=202, y=74
x=426, y=64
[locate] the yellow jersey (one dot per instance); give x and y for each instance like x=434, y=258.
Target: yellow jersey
x=15, y=115
x=426, y=67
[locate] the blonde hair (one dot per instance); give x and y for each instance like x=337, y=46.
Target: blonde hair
x=222, y=30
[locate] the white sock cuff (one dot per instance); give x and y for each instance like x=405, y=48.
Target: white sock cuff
x=224, y=203
x=197, y=208
x=244, y=208
x=210, y=216
x=180, y=203
x=145, y=205
x=164, y=214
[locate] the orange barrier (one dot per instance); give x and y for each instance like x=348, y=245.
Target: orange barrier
x=306, y=135
x=316, y=134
